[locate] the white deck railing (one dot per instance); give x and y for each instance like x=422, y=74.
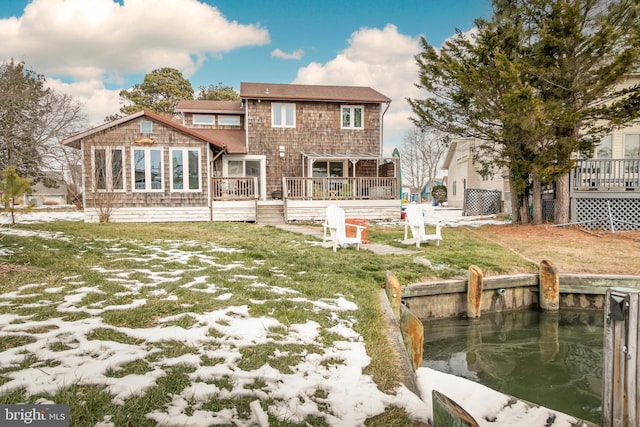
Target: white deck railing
x=340, y=188
x=310, y=188
x=234, y=188
x=606, y=175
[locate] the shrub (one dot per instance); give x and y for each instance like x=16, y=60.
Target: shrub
x=439, y=193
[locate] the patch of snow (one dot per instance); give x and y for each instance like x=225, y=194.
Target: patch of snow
x=327, y=383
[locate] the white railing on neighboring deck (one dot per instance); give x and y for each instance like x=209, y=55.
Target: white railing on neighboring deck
x=340, y=188
x=234, y=188
x=606, y=175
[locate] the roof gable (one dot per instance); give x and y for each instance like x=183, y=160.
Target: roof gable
x=74, y=140
x=311, y=93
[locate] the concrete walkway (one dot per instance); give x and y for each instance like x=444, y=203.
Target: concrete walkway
x=373, y=247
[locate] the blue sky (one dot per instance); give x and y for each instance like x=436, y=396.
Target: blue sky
x=91, y=49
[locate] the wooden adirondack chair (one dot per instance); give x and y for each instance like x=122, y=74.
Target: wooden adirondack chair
x=335, y=229
x=414, y=221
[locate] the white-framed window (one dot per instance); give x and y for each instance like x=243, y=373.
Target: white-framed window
x=229, y=120
x=108, y=171
x=204, y=119
x=352, y=117
x=328, y=169
x=185, y=169
x=604, y=148
x=283, y=115
x=146, y=126
x=632, y=146
x=147, y=167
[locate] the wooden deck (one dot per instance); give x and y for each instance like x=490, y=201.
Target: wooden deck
x=305, y=199
x=609, y=175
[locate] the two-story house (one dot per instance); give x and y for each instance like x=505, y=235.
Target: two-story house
x=292, y=148
x=467, y=189
x=604, y=189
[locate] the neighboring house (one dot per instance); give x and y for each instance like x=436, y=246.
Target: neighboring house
x=42, y=195
x=462, y=175
x=423, y=195
x=292, y=148
x=604, y=190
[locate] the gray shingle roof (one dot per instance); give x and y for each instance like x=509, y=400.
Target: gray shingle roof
x=206, y=106
x=311, y=93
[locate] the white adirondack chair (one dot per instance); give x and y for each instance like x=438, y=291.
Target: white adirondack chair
x=414, y=221
x=336, y=227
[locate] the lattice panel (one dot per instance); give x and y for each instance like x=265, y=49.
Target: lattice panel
x=548, y=208
x=481, y=202
x=594, y=213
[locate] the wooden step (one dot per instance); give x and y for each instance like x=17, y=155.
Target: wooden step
x=270, y=214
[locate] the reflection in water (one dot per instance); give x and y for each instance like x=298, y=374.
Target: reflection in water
x=552, y=359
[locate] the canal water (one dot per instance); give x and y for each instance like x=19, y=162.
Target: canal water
x=551, y=359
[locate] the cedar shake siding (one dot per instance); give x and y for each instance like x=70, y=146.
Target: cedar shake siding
x=165, y=139
x=152, y=186
x=243, y=159
x=317, y=129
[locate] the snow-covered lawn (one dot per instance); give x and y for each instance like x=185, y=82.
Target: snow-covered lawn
x=77, y=346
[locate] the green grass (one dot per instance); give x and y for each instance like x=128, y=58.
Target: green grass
x=188, y=285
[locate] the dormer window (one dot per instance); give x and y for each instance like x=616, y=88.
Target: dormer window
x=204, y=119
x=229, y=120
x=146, y=126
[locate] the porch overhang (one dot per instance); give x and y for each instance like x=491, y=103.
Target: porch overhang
x=308, y=157
x=350, y=155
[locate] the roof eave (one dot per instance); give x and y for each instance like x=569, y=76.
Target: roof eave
x=80, y=136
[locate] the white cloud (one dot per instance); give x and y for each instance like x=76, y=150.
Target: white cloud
x=97, y=101
x=296, y=54
x=99, y=38
x=91, y=43
x=383, y=59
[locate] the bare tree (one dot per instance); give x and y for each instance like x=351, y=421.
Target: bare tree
x=422, y=153
x=64, y=118
x=33, y=118
x=107, y=181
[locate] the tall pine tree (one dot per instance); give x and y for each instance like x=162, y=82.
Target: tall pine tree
x=532, y=83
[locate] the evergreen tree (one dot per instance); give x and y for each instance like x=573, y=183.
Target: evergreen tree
x=21, y=90
x=12, y=187
x=580, y=57
x=538, y=83
x=218, y=92
x=159, y=93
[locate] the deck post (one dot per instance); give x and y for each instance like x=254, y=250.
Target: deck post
x=549, y=286
x=620, y=378
x=474, y=292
